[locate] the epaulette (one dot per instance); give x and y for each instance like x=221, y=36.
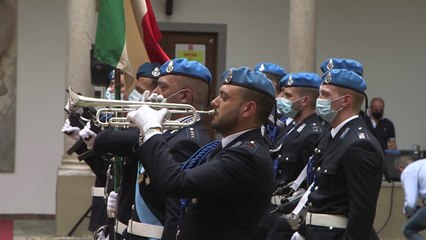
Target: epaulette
x=316, y=127
x=192, y=133
x=361, y=132
x=252, y=146
x=301, y=127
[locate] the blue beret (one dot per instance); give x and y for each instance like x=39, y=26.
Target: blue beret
x=271, y=68
x=181, y=66
x=254, y=80
x=341, y=63
x=345, y=79
x=149, y=70
x=301, y=79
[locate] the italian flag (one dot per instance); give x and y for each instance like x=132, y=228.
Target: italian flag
x=127, y=35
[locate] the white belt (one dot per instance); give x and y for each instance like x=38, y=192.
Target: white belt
x=120, y=227
x=98, y=192
x=326, y=220
x=144, y=230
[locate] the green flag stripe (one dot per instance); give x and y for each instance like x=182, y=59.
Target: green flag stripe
x=110, y=32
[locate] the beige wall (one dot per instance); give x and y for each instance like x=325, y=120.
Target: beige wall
x=387, y=36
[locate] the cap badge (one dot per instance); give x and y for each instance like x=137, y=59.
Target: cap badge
x=262, y=67
x=328, y=78
x=330, y=64
x=156, y=72
x=169, y=68
x=290, y=80
x=228, y=76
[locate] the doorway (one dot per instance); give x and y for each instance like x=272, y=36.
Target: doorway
x=205, y=43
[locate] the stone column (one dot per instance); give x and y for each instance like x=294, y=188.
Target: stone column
x=74, y=180
x=302, y=36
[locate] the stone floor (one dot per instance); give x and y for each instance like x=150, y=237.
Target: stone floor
x=39, y=230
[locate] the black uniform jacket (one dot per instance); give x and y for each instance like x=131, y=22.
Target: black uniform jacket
x=120, y=142
x=348, y=174
x=182, y=145
x=296, y=149
x=229, y=193
x=99, y=166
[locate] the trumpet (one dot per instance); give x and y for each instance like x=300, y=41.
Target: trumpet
x=111, y=112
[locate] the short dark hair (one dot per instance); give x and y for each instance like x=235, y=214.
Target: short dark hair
x=264, y=104
x=311, y=92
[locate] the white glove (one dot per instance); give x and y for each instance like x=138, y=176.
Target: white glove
x=71, y=131
x=146, y=118
x=156, y=98
x=88, y=136
x=297, y=236
x=295, y=220
x=145, y=96
x=112, y=204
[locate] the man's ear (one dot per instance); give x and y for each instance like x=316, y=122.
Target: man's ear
x=187, y=96
x=305, y=100
x=248, y=109
x=347, y=100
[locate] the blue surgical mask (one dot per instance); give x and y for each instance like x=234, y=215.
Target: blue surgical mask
x=111, y=96
x=323, y=109
x=285, y=107
x=135, y=96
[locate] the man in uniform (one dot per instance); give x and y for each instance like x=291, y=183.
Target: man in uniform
x=227, y=183
x=274, y=126
x=119, y=142
x=299, y=97
x=348, y=164
x=154, y=216
x=275, y=122
x=142, y=84
x=99, y=165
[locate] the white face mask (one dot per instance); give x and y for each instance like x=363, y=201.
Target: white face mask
x=285, y=107
x=324, y=110
x=111, y=96
x=135, y=96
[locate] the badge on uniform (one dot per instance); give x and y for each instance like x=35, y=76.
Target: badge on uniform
x=330, y=64
x=362, y=135
x=169, y=68
x=299, y=129
x=156, y=72
x=250, y=145
x=140, y=178
x=290, y=80
x=228, y=76
x=328, y=78
x=147, y=180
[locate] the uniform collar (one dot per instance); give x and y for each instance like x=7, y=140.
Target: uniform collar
x=335, y=130
x=232, y=137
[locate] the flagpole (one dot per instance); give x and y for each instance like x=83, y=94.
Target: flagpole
x=117, y=159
